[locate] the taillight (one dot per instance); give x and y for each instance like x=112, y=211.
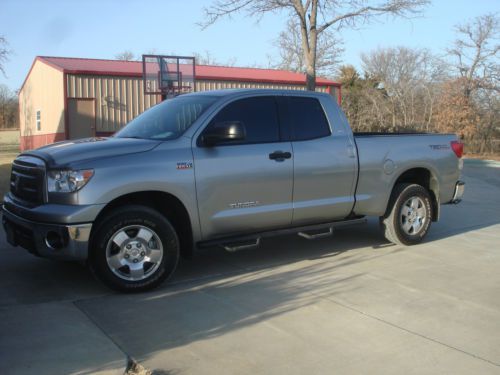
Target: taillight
x=458, y=148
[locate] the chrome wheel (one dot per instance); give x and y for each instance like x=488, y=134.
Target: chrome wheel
x=413, y=216
x=134, y=252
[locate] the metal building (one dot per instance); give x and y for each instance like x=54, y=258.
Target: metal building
x=67, y=98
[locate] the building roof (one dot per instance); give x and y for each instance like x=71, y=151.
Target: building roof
x=203, y=72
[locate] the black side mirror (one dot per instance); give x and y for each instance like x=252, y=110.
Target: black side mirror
x=223, y=132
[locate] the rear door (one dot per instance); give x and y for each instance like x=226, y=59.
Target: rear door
x=324, y=164
x=241, y=187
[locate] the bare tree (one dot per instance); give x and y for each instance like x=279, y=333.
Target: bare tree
x=126, y=56
x=409, y=78
x=8, y=108
x=315, y=17
x=364, y=101
x=289, y=44
x=475, y=61
x=475, y=54
x=4, y=53
x=489, y=130
x=206, y=58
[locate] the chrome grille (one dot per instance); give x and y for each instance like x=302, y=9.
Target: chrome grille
x=27, y=180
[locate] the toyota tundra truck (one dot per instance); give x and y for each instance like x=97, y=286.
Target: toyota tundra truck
x=224, y=168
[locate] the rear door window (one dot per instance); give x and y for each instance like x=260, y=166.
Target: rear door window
x=308, y=119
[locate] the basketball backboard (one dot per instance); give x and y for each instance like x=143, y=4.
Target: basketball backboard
x=168, y=76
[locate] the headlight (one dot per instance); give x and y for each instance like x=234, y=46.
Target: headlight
x=66, y=181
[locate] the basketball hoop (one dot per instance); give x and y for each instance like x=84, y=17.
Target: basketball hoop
x=168, y=76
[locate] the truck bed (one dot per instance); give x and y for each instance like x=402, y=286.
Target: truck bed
x=383, y=157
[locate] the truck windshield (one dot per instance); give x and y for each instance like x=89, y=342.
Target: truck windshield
x=167, y=120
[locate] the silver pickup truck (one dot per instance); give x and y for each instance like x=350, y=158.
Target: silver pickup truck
x=222, y=168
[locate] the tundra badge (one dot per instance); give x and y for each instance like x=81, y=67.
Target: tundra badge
x=244, y=204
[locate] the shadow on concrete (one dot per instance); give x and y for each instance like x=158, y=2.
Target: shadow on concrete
x=248, y=289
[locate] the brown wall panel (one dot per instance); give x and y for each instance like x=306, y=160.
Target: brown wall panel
x=121, y=99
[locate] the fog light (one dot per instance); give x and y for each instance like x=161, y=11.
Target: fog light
x=53, y=240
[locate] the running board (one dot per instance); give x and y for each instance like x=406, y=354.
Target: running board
x=311, y=232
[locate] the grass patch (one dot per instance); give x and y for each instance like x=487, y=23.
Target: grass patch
x=6, y=157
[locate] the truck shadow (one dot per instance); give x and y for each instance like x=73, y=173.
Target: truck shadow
x=217, y=293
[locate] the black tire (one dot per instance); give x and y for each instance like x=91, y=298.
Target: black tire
x=404, y=222
x=129, y=220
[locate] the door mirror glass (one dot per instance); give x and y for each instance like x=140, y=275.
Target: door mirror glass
x=225, y=131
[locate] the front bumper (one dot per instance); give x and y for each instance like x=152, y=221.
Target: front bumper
x=459, y=192
x=56, y=241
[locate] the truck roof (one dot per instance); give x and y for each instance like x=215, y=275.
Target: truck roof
x=229, y=92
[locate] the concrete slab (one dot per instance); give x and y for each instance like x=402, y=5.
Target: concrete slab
x=27, y=279
x=292, y=319
x=55, y=338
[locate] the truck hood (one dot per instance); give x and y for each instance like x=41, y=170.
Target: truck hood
x=62, y=154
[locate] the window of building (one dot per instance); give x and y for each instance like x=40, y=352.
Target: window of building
x=259, y=115
x=308, y=118
x=38, y=120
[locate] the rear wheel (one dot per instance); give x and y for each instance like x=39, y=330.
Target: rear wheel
x=134, y=248
x=408, y=216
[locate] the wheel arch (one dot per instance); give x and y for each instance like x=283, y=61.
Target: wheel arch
x=167, y=204
x=428, y=179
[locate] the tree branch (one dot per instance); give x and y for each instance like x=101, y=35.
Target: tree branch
x=396, y=7
x=225, y=8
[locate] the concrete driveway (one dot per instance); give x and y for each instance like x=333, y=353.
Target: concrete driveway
x=349, y=304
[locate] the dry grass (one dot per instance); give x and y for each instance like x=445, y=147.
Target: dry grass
x=495, y=157
x=134, y=368
x=6, y=157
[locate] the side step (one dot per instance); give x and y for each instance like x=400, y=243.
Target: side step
x=315, y=234
x=235, y=246
x=310, y=232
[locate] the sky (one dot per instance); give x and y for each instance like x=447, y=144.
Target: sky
x=104, y=28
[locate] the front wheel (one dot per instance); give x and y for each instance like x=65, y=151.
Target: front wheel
x=134, y=249
x=408, y=216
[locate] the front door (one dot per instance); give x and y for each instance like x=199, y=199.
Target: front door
x=81, y=118
x=241, y=186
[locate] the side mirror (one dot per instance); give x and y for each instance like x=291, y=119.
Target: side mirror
x=224, y=132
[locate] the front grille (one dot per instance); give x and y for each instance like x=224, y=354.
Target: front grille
x=27, y=180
